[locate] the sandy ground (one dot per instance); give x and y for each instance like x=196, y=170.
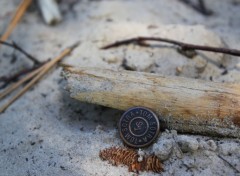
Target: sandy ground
x=46, y=132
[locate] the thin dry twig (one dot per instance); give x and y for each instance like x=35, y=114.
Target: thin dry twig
x=182, y=45
x=16, y=18
x=200, y=7
x=226, y=161
x=8, y=79
x=20, y=82
x=15, y=77
x=15, y=46
x=45, y=69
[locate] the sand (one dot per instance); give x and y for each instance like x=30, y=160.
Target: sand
x=46, y=132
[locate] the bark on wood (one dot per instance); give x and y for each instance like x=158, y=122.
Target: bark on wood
x=186, y=105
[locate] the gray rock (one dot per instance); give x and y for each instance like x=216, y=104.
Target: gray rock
x=207, y=145
x=187, y=143
x=212, y=145
x=163, y=148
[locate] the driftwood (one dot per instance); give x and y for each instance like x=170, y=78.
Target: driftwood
x=186, y=105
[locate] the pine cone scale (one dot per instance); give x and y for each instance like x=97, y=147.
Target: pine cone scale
x=129, y=157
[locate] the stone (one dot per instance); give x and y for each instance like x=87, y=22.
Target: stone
x=208, y=145
x=187, y=143
x=163, y=148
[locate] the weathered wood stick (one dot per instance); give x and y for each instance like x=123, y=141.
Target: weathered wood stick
x=186, y=105
x=50, y=11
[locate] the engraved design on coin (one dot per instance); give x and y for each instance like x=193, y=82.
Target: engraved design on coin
x=139, y=127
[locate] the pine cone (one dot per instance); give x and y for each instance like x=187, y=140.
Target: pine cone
x=118, y=156
x=153, y=164
x=129, y=157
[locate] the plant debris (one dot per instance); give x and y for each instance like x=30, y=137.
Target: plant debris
x=35, y=77
x=183, y=46
x=16, y=18
x=129, y=157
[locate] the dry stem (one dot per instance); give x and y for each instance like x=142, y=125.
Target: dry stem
x=16, y=18
x=20, y=82
x=184, y=46
x=45, y=69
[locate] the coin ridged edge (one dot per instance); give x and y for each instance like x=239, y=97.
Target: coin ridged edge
x=148, y=143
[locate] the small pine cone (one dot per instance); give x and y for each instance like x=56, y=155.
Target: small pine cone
x=152, y=163
x=129, y=157
x=118, y=156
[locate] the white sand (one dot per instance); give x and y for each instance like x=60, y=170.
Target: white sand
x=46, y=132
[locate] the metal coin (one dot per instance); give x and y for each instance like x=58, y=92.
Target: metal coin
x=138, y=127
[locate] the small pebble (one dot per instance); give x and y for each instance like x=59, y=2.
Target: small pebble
x=163, y=148
x=140, y=154
x=99, y=128
x=238, y=66
x=179, y=70
x=212, y=145
x=187, y=144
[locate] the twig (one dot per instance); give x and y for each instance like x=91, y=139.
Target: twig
x=226, y=161
x=200, y=7
x=184, y=46
x=8, y=79
x=16, y=18
x=203, y=8
x=35, y=61
x=15, y=46
x=21, y=81
x=14, y=77
x=46, y=68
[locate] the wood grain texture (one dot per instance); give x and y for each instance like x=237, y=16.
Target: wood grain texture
x=186, y=105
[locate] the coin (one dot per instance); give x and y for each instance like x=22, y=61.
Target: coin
x=138, y=127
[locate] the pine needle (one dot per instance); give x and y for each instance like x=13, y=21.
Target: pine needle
x=16, y=18
x=45, y=69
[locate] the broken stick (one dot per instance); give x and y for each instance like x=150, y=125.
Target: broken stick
x=186, y=105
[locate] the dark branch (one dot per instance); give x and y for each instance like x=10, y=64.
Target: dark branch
x=203, y=8
x=200, y=7
x=234, y=168
x=183, y=46
x=5, y=80
x=15, y=46
x=12, y=78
